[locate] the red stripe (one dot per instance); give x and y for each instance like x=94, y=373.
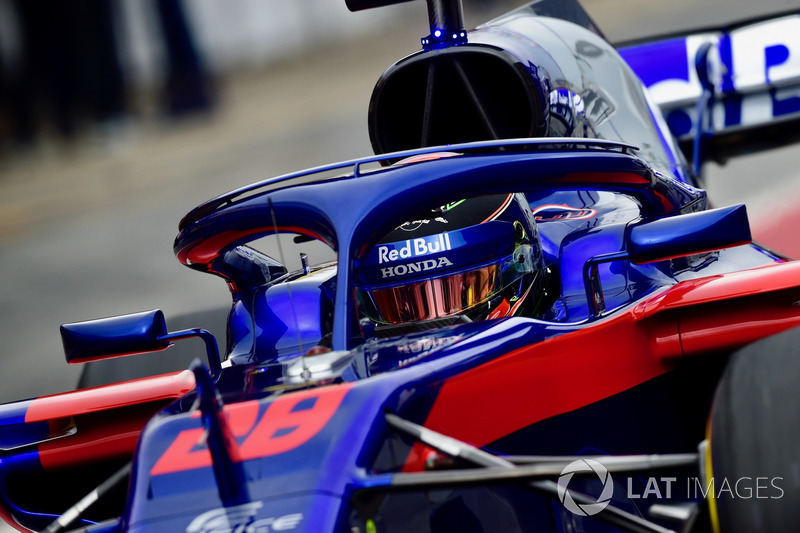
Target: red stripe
x=207, y=250
x=543, y=380
x=100, y=437
x=500, y=209
x=114, y=396
x=604, y=177
x=571, y=371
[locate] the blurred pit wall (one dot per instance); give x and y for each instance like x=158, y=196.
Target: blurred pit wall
x=230, y=35
x=236, y=35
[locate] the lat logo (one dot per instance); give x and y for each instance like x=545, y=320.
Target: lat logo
x=287, y=423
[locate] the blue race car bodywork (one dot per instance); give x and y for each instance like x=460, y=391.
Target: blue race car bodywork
x=592, y=413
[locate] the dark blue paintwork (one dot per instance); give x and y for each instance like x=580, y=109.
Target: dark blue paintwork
x=227, y=465
x=615, y=225
x=129, y=334
x=693, y=233
x=141, y=332
x=350, y=213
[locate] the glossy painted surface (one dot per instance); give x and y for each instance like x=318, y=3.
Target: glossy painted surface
x=689, y=234
x=515, y=362
x=375, y=202
x=755, y=71
x=114, y=336
x=581, y=62
x=305, y=436
x=106, y=422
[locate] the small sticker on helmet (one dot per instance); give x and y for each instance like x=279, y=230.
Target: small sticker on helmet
x=388, y=253
x=414, y=268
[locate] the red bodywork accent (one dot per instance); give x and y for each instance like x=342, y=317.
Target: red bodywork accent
x=108, y=418
x=279, y=429
x=545, y=379
x=100, y=437
x=126, y=394
x=568, y=372
x=603, y=177
x=628, y=178
x=727, y=311
x=8, y=518
x=89, y=359
x=204, y=252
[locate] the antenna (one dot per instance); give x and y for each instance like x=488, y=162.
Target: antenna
x=446, y=20
x=306, y=374
x=226, y=460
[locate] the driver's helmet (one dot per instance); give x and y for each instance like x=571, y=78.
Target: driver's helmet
x=474, y=259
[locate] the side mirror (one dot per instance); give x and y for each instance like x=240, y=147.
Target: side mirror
x=681, y=235
x=669, y=238
x=118, y=336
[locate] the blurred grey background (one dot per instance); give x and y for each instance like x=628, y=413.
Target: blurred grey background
x=196, y=98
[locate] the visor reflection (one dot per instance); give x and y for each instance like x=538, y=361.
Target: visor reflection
x=436, y=298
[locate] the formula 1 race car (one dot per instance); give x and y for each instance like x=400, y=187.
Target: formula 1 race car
x=534, y=320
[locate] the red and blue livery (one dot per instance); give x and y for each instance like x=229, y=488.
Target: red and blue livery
x=533, y=320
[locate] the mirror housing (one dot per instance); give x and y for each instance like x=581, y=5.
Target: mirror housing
x=669, y=238
x=118, y=336
x=682, y=235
